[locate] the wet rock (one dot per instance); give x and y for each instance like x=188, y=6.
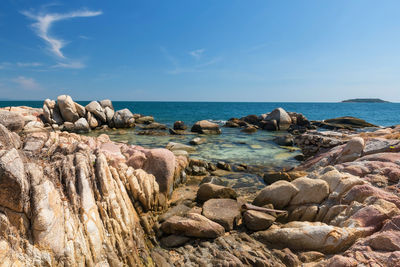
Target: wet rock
x=198, y=171
x=281, y=117
x=256, y=220
x=252, y=119
x=81, y=126
x=273, y=176
x=213, y=180
x=225, y=212
x=172, y=146
x=194, y=225
x=206, y=127
x=348, y=123
x=231, y=124
x=67, y=108
x=208, y=191
x=197, y=141
x=179, y=125
x=145, y=120
x=12, y=121
x=174, y=241
x=270, y=125
x=224, y=166
x=155, y=126
x=279, y=194
x=152, y=133
x=123, y=119
x=286, y=140
x=249, y=129
x=95, y=108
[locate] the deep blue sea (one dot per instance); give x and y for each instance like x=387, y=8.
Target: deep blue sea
x=233, y=145
x=383, y=114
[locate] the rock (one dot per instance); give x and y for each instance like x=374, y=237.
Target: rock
x=278, y=194
x=95, y=108
x=348, y=122
x=224, y=166
x=175, y=132
x=271, y=177
x=13, y=121
x=179, y=125
x=252, y=119
x=231, y=124
x=249, y=129
x=161, y=163
x=123, y=119
x=195, y=225
x=145, y=120
x=80, y=109
x=311, y=256
x=69, y=126
x=14, y=185
x=309, y=236
x=256, y=220
x=109, y=114
x=225, y=212
x=178, y=210
x=208, y=191
x=67, y=108
x=174, y=241
x=198, y=171
x=9, y=139
x=285, y=140
x=106, y=103
x=155, y=126
x=177, y=146
x=270, y=125
x=352, y=150
x=92, y=121
x=310, y=191
x=197, y=141
x=206, y=127
x=81, y=126
x=281, y=117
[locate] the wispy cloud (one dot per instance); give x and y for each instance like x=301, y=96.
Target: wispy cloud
x=198, y=67
x=26, y=83
x=69, y=65
x=197, y=54
x=45, y=21
x=29, y=64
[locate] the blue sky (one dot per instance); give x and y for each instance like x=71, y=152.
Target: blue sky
x=200, y=50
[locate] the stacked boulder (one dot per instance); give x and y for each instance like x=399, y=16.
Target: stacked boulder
x=68, y=115
x=277, y=120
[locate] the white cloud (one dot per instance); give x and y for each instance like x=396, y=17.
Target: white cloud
x=70, y=65
x=27, y=83
x=29, y=64
x=44, y=22
x=197, y=53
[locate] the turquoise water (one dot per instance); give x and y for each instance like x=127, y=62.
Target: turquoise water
x=233, y=145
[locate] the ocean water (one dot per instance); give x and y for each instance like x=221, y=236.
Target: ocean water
x=233, y=145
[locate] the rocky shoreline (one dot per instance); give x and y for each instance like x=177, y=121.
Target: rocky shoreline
x=72, y=200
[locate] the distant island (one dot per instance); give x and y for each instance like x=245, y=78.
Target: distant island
x=365, y=100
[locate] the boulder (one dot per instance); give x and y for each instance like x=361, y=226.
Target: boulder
x=256, y=220
x=197, y=141
x=225, y=211
x=208, y=191
x=281, y=117
x=95, y=108
x=278, y=194
x=353, y=150
x=123, y=119
x=179, y=125
x=348, y=122
x=310, y=191
x=285, y=140
x=13, y=121
x=144, y=120
x=80, y=109
x=161, y=163
x=14, y=185
x=106, y=103
x=67, y=108
x=155, y=126
x=249, y=129
x=270, y=125
x=309, y=236
x=252, y=119
x=194, y=225
x=206, y=127
x=93, y=122
x=109, y=114
x=9, y=139
x=81, y=126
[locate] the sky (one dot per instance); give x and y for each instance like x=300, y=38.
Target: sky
x=200, y=50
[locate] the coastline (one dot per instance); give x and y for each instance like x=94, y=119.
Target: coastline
x=159, y=206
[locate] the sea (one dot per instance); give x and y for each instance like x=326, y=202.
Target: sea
x=232, y=145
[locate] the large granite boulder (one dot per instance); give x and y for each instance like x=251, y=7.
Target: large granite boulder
x=281, y=117
x=353, y=150
x=194, y=225
x=13, y=121
x=224, y=211
x=123, y=119
x=310, y=191
x=278, y=194
x=106, y=103
x=206, y=127
x=81, y=126
x=67, y=108
x=96, y=109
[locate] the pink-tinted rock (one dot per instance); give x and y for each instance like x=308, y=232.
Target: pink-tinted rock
x=136, y=159
x=393, y=224
x=361, y=192
x=340, y=261
x=352, y=150
x=161, y=163
x=112, y=151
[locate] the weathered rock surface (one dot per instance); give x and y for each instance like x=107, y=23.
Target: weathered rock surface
x=281, y=117
x=208, y=191
x=256, y=220
x=123, y=119
x=224, y=211
x=13, y=121
x=206, y=127
x=67, y=108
